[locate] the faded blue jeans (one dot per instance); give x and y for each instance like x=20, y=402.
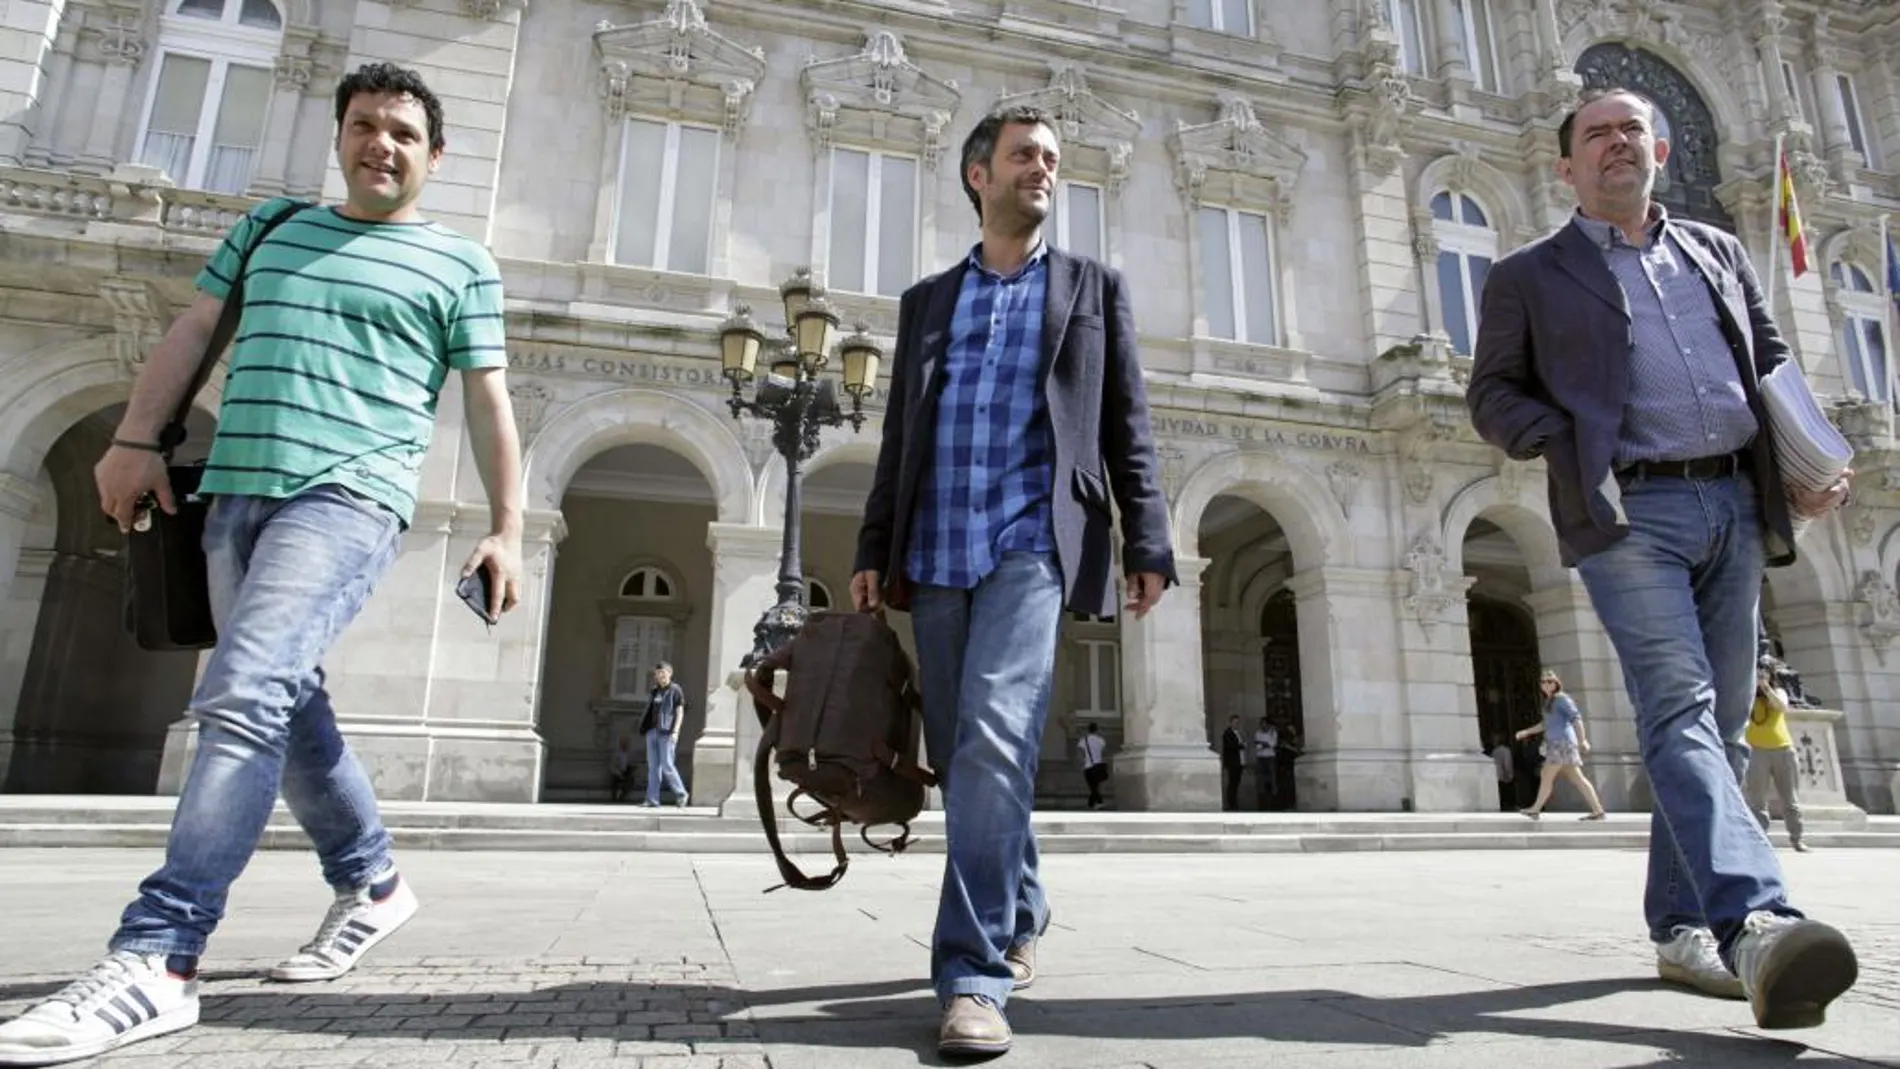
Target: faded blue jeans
x=286, y=577
x=985, y=657
x=1678, y=598
x=660, y=770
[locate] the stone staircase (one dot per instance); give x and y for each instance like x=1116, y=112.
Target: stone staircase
x=94, y=821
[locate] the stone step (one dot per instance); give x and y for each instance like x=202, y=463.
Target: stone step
x=143, y=822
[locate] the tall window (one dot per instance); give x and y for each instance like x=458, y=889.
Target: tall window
x=1797, y=100
x=1095, y=682
x=1863, y=331
x=1856, y=126
x=1237, y=275
x=640, y=640
x=668, y=178
x=873, y=222
x=1403, y=15
x=204, y=117
x=1481, y=44
x=1467, y=246
x=1222, y=16
x=1075, y=220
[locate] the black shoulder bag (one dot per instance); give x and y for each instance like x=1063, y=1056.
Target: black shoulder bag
x=167, y=597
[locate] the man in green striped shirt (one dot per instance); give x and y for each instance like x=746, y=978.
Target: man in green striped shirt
x=354, y=316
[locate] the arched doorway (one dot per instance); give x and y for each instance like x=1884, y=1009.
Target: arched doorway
x=1687, y=184
x=629, y=589
x=75, y=728
x=1505, y=659
x=1250, y=641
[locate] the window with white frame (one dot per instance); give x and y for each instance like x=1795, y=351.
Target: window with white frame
x=204, y=117
x=1237, y=275
x=646, y=584
x=873, y=222
x=1479, y=32
x=1467, y=247
x=641, y=640
x=1095, y=679
x=1075, y=221
x=1856, y=126
x=1222, y=16
x=669, y=175
x=1403, y=15
x=1863, y=331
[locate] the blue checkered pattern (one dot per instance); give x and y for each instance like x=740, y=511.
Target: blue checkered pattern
x=986, y=492
x=1685, y=394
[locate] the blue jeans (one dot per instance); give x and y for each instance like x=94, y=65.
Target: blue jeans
x=660, y=745
x=1678, y=598
x=286, y=577
x=985, y=657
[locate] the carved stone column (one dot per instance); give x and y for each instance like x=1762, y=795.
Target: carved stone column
x=1452, y=64
x=40, y=117
x=1767, y=33
x=1166, y=763
x=294, y=70
x=1355, y=754
x=1843, y=159
x=121, y=42
x=745, y=571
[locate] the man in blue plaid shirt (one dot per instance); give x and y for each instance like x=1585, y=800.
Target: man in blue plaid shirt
x=1016, y=404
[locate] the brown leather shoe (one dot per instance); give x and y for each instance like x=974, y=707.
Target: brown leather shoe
x=973, y=1026
x=1022, y=962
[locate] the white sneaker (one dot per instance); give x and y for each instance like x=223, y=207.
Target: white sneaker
x=1694, y=958
x=354, y=924
x=125, y=998
x=1792, y=968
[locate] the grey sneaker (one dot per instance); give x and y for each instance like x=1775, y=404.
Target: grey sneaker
x=1693, y=958
x=1792, y=968
x=973, y=1026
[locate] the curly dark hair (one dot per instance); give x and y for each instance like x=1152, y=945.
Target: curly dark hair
x=980, y=146
x=380, y=78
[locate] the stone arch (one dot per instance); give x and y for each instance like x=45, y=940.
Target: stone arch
x=1888, y=552
x=771, y=497
x=57, y=385
x=1498, y=193
x=1526, y=520
x=1701, y=122
x=634, y=416
x=1310, y=515
x=1859, y=246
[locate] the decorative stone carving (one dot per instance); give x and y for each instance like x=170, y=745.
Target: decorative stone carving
x=1416, y=448
x=1343, y=477
x=677, y=64
x=1235, y=159
x=121, y=38
x=531, y=401
x=1173, y=461
x=856, y=97
x=1084, y=119
x=1424, y=237
x=491, y=9
x=1514, y=477
x=1430, y=595
x=1860, y=524
x=137, y=312
x=1879, y=609
x=294, y=73
x=755, y=437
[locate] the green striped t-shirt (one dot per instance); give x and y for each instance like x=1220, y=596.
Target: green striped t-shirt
x=348, y=333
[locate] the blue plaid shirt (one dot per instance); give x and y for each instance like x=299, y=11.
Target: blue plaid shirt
x=987, y=490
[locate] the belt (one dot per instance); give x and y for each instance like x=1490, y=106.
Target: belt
x=1699, y=468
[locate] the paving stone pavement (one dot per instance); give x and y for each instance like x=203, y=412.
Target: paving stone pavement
x=657, y=961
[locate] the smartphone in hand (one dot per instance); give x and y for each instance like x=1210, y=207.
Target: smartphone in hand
x=475, y=590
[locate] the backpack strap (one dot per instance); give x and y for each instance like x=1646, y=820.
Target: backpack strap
x=762, y=788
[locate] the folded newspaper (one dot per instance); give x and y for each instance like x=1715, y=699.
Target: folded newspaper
x=1811, y=452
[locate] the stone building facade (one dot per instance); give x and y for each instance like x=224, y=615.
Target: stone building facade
x=1304, y=197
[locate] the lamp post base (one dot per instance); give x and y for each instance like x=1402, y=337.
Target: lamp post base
x=779, y=625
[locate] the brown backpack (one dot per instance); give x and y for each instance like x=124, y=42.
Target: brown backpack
x=846, y=733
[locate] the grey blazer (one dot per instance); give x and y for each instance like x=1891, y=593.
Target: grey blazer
x=1098, y=417
x=1550, y=373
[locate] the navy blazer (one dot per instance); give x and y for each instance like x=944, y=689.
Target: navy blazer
x=1550, y=373
x=1098, y=420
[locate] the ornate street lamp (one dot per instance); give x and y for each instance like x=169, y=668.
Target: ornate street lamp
x=798, y=402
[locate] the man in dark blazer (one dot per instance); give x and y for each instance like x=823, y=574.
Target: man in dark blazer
x=1016, y=408
x=1627, y=349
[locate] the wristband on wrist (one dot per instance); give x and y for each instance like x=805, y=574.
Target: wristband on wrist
x=146, y=447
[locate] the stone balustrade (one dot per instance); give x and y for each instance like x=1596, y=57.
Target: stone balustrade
x=131, y=195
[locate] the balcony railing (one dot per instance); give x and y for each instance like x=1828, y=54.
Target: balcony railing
x=130, y=195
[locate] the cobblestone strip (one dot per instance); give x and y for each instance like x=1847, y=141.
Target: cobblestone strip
x=443, y=1012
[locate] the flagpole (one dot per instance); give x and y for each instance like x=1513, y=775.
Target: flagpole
x=1774, y=231
x=1886, y=286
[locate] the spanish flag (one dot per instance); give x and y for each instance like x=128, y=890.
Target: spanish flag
x=1791, y=219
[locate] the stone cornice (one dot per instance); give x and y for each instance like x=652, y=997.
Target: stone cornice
x=669, y=53
x=851, y=99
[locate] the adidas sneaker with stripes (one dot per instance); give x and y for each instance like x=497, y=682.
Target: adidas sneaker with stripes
x=125, y=998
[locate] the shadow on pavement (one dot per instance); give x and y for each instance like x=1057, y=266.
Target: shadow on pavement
x=895, y=1016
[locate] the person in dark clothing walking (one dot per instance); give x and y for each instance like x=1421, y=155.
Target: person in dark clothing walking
x=1233, y=758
